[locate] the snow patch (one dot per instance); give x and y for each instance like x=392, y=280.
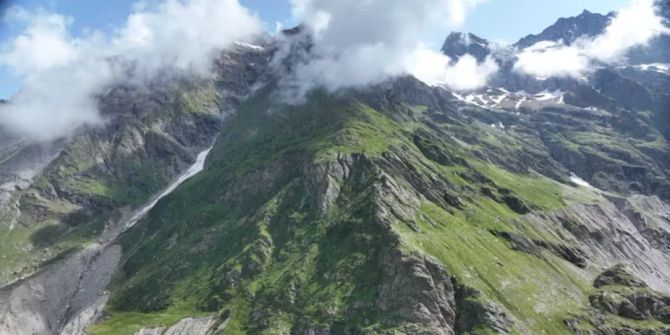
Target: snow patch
x=458, y=96
x=655, y=67
x=500, y=125
x=520, y=102
x=196, y=168
x=250, y=46
x=498, y=99
x=503, y=99
x=547, y=96
x=581, y=182
x=476, y=99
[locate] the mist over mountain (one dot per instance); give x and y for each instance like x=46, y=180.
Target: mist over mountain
x=568, y=30
x=188, y=173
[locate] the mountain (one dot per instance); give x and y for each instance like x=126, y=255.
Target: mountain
x=588, y=25
x=533, y=206
x=64, y=202
x=568, y=30
x=458, y=44
x=397, y=210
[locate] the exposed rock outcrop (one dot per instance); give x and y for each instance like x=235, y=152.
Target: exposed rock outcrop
x=633, y=231
x=619, y=295
x=188, y=326
x=64, y=298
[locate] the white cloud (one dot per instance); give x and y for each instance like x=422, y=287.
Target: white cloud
x=459, y=9
x=357, y=43
x=62, y=75
x=56, y=102
x=44, y=44
x=547, y=59
x=185, y=35
x=466, y=74
x=633, y=26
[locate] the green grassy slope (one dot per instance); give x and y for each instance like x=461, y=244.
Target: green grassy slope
x=293, y=223
x=104, y=172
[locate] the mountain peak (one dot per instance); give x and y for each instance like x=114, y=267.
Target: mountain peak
x=293, y=31
x=570, y=29
x=458, y=44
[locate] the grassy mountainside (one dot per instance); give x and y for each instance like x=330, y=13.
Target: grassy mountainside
x=101, y=173
x=152, y=133
x=387, y=212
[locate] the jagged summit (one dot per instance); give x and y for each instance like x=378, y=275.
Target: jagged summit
x=587, y=24
x=458, y=44
x=294, y=30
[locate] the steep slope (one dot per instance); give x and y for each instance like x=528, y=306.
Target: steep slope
x=60, y=222
x=70, y=213
x=380, y=212
x=102, y=170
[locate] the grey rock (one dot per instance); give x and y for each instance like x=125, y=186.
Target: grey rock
x=459, y=44
x=608, y=234
x=617, y=275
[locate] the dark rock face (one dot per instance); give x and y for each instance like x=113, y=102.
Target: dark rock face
x=573, y=255
x=516, y=204
x=621, y=294
x=459, y=44
x=626, y=91
x=570, y=29
x=617, y=275
x=419, y=291
x=472, y=313
x=635, y=306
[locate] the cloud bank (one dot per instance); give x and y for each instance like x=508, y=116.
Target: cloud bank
x=354, y=44
x=465, y=74
x=635, y=25
x=357, y=43
x=63, y=75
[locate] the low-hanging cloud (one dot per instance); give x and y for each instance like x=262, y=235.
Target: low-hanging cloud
x=463, y=75
x=634, y=25
x=63, y=75
x=357, y=43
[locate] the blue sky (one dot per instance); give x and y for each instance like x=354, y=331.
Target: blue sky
x=498, y=20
